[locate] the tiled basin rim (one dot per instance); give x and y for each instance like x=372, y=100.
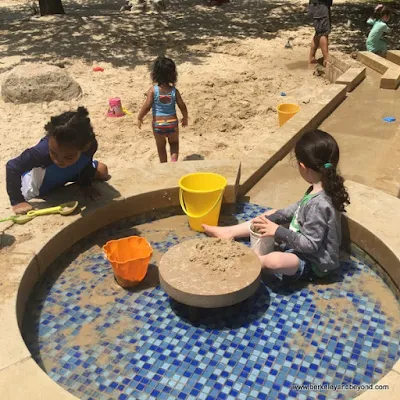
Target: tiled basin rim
x=100, y=342
x=378, y=237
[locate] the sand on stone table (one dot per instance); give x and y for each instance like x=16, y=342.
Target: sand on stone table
x=209, y=266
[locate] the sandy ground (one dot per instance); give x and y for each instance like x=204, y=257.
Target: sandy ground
x=230, y=75
x=232, y=64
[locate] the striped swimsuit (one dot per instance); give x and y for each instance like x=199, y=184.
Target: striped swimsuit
x=164, y=105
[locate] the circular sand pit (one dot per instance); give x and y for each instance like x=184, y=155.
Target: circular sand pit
x=210, y=272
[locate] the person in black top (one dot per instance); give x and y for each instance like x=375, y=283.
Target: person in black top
x=320, y=12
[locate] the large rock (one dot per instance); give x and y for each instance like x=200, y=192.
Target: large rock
x=38, y=83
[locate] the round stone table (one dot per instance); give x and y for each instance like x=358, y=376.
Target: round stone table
x=209, y=272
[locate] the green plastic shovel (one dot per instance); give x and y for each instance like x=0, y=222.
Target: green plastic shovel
x=63, y=209
x=18, y=219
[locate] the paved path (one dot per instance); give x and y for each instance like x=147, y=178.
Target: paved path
x=370, y=147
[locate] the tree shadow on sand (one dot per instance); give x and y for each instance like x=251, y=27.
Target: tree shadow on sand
x=96, y=31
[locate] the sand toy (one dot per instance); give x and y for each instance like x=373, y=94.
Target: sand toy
x=63, y=209
x=129, y=258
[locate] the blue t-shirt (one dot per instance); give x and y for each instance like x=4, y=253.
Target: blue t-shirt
x=38, y=156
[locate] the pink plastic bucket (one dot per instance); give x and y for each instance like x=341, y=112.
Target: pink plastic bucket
x=115, y=108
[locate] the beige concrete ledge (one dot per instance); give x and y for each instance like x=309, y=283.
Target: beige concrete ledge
x=374, y=61
x=352, y=78
x=374, y=221
x=388, y=388
x=389, y=70
x=394, y=56
x=23, y=272
x=391, y=79
x=25, y=380
x=275, y=148
x=338, y=65
x=388, y=178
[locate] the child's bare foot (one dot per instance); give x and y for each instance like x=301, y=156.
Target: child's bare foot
x=220, y=232
x=313, y=61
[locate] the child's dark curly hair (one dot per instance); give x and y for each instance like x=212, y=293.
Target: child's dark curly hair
x=164, y=71
x=319, y=151
x=71, y=129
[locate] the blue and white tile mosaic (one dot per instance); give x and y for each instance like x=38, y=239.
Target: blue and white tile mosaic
x=102, y=342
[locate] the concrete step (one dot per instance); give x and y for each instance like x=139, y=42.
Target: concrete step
x=352, y=78
x=394, y=56
x=389, y=70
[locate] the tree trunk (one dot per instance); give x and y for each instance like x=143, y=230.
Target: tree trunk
x=50, y=7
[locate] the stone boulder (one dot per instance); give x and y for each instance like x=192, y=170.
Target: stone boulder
x=38, y=83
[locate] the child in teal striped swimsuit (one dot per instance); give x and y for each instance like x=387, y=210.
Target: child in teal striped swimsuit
x=162, y=98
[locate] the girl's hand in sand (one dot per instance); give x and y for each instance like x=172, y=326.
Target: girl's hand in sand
x=22, y=208
x=184, y=122
x=265, y=227
x=139, y=123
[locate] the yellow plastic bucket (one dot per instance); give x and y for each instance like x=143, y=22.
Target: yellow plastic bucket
x=287, y=111
x=200, y=195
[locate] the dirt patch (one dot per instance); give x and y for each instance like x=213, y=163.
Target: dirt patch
x=85, y=275
x=377, y=289
x=86, y=336
x=177, y=224
x=49, y=364
x=89, y=335
x=338, y=305
x=56, y=309
x=300, y=340
x=102, y=294
x=104, y=359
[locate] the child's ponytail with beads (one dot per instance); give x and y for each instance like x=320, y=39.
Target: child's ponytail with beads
x=319, y=151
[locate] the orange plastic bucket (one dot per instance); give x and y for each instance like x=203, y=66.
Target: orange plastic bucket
x=129, y=258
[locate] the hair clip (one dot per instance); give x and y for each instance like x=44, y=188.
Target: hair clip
x=328, y=165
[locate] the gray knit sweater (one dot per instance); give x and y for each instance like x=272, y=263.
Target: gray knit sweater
x=320, y=235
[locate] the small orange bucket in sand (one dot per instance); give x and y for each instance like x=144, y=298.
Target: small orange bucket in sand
x=129, y=258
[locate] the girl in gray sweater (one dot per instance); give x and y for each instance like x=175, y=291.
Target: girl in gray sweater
x=311, y=242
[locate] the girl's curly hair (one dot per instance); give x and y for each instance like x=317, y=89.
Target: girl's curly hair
x=164, y=71
x=72, y=128
x=319, y=151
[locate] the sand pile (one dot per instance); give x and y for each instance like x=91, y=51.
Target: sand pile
x=217, y=257
x=209, y=267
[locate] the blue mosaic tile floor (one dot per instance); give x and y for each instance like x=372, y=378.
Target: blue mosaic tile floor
x=101, y=342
